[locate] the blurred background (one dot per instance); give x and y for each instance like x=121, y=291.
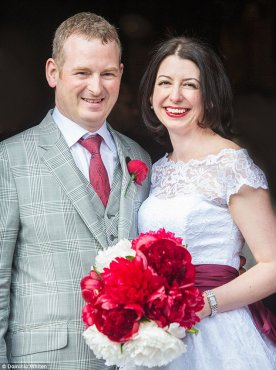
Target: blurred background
x=243, y=32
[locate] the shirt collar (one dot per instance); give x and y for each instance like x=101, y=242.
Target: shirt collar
x=72, y=132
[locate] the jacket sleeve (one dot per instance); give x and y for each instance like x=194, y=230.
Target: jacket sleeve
x=9, y=226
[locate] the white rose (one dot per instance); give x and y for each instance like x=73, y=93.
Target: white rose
x=102, y=347
x=105, y=257
x=151, y=346
x=176, y=330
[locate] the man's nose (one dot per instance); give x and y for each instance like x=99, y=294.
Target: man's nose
x=95, y=85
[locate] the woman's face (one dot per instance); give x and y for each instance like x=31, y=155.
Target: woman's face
x=176, y=98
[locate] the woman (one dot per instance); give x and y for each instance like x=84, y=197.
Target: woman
x=208, y=191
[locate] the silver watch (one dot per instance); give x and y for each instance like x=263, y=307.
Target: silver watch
x=212, y=302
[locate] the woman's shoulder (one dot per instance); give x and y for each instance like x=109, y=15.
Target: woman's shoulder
x=228, y=144
x=222, y=145
x=229, y=152
x=161, y=161
x=236, y=168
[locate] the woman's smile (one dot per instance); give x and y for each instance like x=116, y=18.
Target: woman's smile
x=176, y=112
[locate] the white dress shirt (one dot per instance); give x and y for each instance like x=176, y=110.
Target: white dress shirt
x=72, y=132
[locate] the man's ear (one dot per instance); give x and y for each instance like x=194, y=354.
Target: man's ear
x=52, y=72
x=121, y=69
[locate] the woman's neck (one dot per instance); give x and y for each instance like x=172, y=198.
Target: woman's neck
x=195, y=145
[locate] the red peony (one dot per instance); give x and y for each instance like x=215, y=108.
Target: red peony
x=194, y=303
x=129, y=281
x=175, y=305
x=91, y=286
x=88, y=313
x=157, y=284
x=179, y=300
x=119, y=324
x=167, y=256
x=145, y=239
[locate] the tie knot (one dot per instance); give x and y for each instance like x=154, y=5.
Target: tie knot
x=92, y=143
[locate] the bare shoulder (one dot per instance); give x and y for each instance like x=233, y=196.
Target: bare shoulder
x=221, y=143
x=216, y=144
x=227, y=144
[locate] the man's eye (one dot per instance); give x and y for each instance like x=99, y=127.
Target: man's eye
x=81, y=73
x=109, y=74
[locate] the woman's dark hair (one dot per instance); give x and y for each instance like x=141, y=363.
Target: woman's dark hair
x=216, y=90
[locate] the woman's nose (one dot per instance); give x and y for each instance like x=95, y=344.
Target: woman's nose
x=176, y=94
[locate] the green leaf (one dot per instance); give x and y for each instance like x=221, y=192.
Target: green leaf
x=145, y=319
x=97, y=272
x=193, y=330
x=130, y=258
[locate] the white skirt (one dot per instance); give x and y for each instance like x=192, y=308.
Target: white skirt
x=227, y=341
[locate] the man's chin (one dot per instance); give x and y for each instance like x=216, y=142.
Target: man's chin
x=91, y=125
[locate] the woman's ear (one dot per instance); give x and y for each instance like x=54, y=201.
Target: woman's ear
x=52, y=72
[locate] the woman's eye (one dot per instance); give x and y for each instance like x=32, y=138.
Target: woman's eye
x=190, y=85
x=163, y=83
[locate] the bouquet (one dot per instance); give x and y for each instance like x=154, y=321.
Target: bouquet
x=141, y=301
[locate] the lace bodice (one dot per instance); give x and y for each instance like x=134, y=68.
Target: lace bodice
x=191, y=199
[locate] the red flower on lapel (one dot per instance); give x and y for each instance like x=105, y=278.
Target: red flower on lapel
x=138, y=171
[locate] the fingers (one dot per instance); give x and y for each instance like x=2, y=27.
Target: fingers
x=242, y=270
x=242, y=261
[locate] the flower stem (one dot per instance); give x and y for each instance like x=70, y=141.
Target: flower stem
x=132, y=178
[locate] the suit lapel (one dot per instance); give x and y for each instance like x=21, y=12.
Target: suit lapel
x=58, y=159
x=126, y=198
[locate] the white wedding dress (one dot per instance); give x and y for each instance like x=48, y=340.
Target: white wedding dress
x=191, y=199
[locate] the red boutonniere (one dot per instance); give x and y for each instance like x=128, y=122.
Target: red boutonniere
x=138, y=171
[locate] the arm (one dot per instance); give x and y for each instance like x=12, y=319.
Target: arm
x=253, y=214
x=9, y=223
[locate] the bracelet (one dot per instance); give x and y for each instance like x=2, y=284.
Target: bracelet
x=212, y=302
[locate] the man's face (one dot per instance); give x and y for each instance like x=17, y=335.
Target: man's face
x=87, y=84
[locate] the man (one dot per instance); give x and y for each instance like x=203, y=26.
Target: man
x=52, y=219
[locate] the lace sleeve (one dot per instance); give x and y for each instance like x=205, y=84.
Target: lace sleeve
x=243, y=171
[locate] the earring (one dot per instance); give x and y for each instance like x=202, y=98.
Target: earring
x=151, y=107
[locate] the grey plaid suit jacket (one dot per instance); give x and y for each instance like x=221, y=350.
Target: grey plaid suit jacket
x=51, y=225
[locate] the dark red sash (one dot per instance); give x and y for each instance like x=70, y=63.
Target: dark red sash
x=212, y=275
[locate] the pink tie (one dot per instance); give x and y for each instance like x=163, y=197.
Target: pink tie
x=97, y=171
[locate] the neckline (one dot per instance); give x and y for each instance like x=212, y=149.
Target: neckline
x=208, y=157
